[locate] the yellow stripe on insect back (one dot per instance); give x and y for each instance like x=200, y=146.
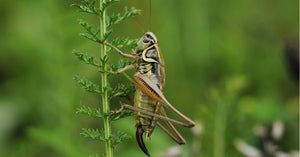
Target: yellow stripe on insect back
x=144, y=55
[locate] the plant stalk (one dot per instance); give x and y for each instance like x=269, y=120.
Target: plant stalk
x=105, y=102
x=219, y=130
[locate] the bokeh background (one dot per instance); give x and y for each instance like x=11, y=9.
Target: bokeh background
x=230, y=65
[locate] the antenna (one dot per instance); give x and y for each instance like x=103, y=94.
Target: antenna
x=149, y=23
x=139, y=23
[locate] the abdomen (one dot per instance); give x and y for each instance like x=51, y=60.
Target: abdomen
x=146, y=122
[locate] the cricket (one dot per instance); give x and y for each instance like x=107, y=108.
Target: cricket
x=149, y=100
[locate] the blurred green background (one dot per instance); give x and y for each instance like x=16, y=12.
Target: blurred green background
x=229, y=66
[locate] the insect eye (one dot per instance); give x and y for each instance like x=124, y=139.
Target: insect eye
x=146, y=40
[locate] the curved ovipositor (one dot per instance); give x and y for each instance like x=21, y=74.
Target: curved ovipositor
x=140, y=141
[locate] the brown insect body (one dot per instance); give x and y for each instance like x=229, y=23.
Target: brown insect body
x=149, y=80
x=150, y=63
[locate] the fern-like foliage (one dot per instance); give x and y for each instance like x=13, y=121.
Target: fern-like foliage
x=124, y=42
x=88, y=6
x=122, y=90
x=119, y=137
x=106, y=4
x=88, y=85
x=90, y=33
x=121, y=64
x=96, y=113
x=98, y=34
x=117, y=18
x=95, y=134
x=85, y=58
x=123, y=114
x=98, y=134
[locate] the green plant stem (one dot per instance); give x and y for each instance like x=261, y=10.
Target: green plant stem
x=105, y=102
x=219, y=130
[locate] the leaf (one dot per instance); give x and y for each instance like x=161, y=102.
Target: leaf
x=122, y=90
x=115, y=19
x=91, y=33
x=104, y=60
x=94, y=134
x=124, y=42
x=121, y=64
x=88, y=85
x=106, y=35
x=86, y=59
x=90, y=112
x=88, y=6
x=125, y=113
x=106, y=4
x=98, y=134
x=119, y=137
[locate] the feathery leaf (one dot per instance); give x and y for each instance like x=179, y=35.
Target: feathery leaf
x=90, y=112
x=88, y=85
x=95, y=134
x=121, y=64
x=88, y=6
x=122, y=90
x=85, y=58
x=123, y=114
x=106, y=4
x=91, y=33
x=115, y=19
x=124, y=42
x=119, y=137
